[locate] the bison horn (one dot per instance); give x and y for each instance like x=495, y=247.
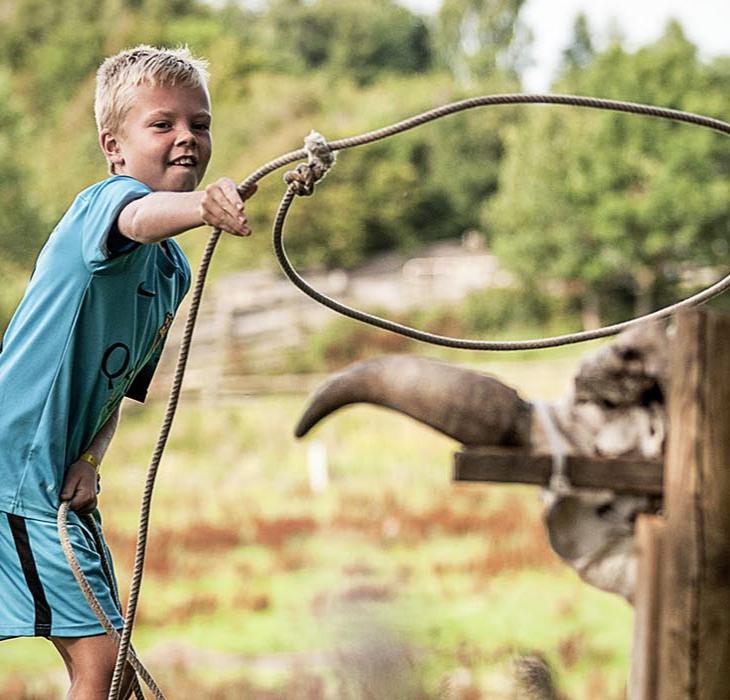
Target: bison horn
x=468, y=406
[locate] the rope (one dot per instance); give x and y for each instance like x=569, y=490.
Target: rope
x=109, y=574
x=146, y=506
x=464, y=344
x=91, y=599
x=300, y=182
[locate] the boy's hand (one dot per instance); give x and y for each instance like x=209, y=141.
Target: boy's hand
x=79, y=488
x=222, y=207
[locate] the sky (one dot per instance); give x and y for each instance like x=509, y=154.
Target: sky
x=706, y=23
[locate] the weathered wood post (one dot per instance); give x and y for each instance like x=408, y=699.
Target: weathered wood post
x=644, y=679
x=694, y=629
x=682, y=599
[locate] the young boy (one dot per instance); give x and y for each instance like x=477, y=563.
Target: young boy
x=88, y=332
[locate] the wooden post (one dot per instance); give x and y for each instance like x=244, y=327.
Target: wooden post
x=647, y=609
x=682, y=633
x=694, y=661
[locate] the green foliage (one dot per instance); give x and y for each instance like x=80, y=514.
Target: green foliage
x=615, y=207
x=611, y=201
x=465, y=157
x=477, y=38
x=346, y=37
x=342, y=67
x=425, y=185
x=580, y=52
x=14, y=279
x=20, y=227
x=496, y=314
x=497, y=310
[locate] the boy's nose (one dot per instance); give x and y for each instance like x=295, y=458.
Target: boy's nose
x=185, y=136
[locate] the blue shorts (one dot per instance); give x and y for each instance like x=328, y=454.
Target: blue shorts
x=39, y=596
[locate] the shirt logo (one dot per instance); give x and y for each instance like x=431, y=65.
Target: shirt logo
x=145, y=292
x=115, y=362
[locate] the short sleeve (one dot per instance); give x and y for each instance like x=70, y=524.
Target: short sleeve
x=102, y=208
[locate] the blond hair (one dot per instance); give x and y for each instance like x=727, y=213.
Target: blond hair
x=143, y=65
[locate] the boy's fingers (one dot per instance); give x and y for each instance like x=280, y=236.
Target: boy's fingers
x=78, y=489
x=223, y=207
x=231, y=194
x=224, y=199
x=215, y=215
x=69, y=489
x=83, y=501
x=247, y=193
x=231, y=198
x=230, y=203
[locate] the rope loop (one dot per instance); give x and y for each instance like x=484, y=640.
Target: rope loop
x=452, y=108
x=320, y=158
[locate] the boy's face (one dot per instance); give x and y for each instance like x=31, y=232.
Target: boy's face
x=164, y=140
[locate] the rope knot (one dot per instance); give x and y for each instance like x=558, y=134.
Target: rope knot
x=320, y=158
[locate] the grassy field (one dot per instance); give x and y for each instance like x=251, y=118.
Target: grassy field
x=393, y=583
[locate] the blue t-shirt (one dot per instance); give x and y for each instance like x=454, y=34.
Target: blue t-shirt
x=89, y=330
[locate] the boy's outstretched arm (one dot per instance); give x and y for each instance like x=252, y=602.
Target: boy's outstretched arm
x=160, y=215
x=79, y=484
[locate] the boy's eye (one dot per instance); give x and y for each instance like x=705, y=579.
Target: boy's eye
x=161, y=125
x=203, y=126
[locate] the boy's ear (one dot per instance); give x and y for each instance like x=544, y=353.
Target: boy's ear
x=111, y=148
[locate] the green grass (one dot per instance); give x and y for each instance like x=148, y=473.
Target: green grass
x=245, y=562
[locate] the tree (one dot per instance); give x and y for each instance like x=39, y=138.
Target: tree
x=19, y=224
x=606, y=201
x=477, y=38
x=347, y=37
x=21, y=231
x=579, y=53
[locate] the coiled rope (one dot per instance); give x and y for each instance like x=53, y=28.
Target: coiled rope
x=320, y=157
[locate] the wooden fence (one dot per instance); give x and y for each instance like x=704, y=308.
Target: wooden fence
x=681, y=647
x=250, y=323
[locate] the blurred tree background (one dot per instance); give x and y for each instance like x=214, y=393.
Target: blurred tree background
x=612, y=209
x=596, y=215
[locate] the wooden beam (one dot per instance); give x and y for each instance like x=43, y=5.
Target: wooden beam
x=695, y=630
x=634, y=476
x=644, y=680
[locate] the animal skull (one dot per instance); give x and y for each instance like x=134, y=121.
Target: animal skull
x=616, y=408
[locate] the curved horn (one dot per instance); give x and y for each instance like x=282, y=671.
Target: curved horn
x=470, y=407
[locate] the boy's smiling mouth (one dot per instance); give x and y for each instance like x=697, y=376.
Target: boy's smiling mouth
x=185, y=161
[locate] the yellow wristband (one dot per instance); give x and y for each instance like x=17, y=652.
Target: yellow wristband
x=90, y=459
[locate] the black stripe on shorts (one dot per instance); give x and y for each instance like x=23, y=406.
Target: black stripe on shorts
x=27, y=562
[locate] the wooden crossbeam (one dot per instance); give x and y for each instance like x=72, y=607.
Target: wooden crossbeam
x=504, y=465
